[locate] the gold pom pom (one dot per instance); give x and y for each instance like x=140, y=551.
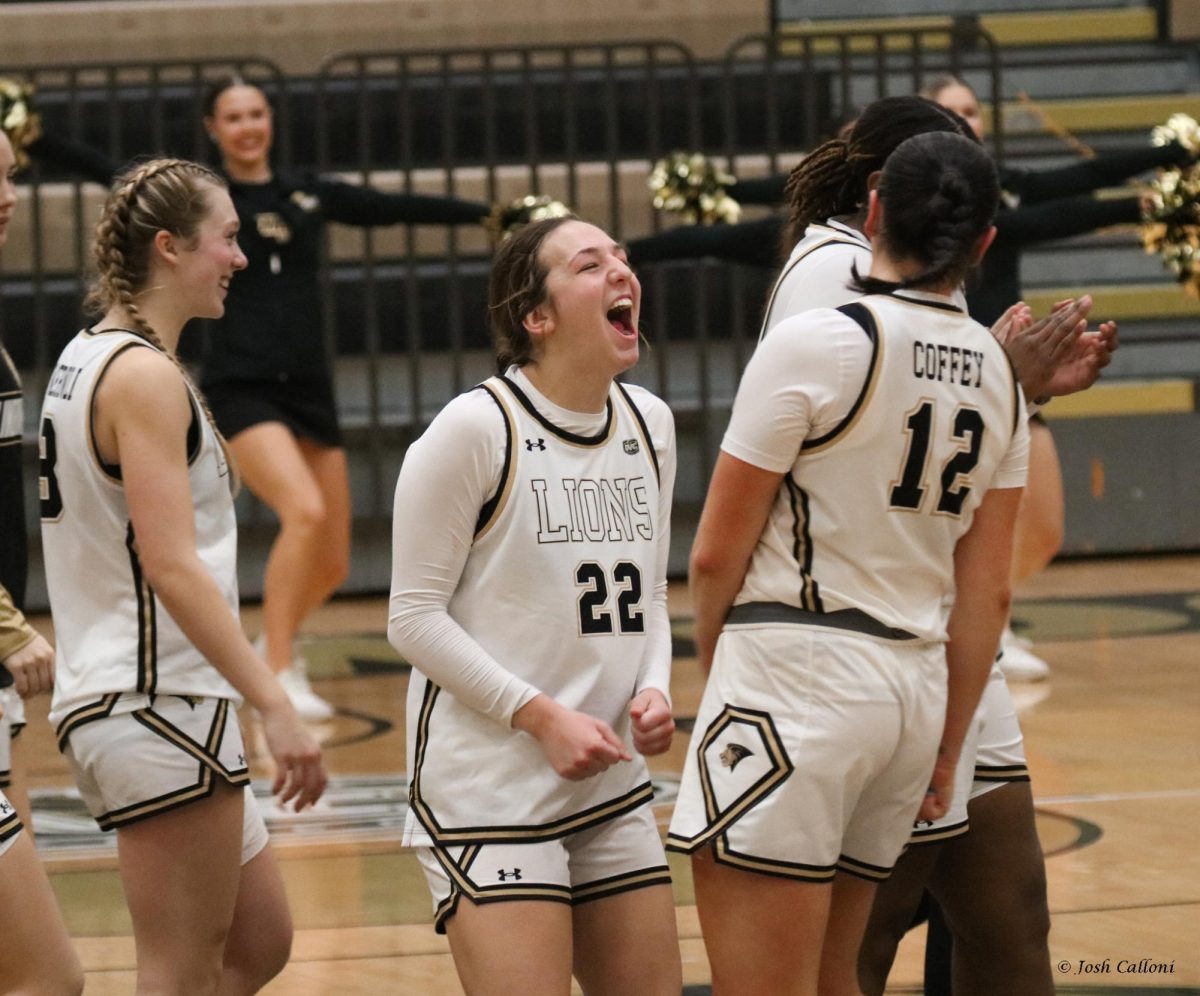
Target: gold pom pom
x=1179, y=128
x=690, y=185
x=505, y=219
x=1171, y=206
x=17, y=117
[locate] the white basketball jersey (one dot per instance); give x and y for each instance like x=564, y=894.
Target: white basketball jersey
x=555, y=589
x=112, y=634
x=869, y=515
x=818, y=272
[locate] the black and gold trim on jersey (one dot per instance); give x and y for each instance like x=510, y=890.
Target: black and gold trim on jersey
x=726, y=855
x=999, y=773
x=835, y=238
x=602, y=437
x=802, y=546
x=112, y=471
x=147, y=620
x=860, y=869
x=84, y=714
x=6, y=778
x=507, y=833
x=462, y=885
x=602, y=888
x=489, y=514
x=757, y=727
x=935, y=834
x=10, y=824
x=643, y=431
x=866, y=319
x=458, y=870
x=208, y=770
x=899, y=295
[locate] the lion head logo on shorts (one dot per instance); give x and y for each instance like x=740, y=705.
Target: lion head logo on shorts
x=733, y=753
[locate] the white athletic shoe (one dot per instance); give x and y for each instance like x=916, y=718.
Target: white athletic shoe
x=295, y=682
x=1018, y=662
x=307, y=702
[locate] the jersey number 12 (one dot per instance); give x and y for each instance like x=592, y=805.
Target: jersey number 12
x=918, y=424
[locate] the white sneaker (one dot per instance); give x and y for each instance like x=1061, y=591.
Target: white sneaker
x=1018, y=662
x=307, y=702
x=1010, y=639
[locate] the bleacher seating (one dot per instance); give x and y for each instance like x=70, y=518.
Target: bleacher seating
x=1098, y=73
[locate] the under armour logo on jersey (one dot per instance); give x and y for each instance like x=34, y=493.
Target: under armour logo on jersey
x=733, y=754
x=631, y=446
x=504, y=876
x=535, y=444
x=5, y=807
x=241, y=760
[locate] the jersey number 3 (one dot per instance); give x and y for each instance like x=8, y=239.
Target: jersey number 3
x=595, y=618
x=967, y=431
x=49, y=497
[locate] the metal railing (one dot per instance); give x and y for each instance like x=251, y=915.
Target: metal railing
x=405, y=305
x=95, y=119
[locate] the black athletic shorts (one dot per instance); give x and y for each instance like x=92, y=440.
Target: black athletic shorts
x=305, y=405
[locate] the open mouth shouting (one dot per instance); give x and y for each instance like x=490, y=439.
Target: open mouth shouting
x=620, y=316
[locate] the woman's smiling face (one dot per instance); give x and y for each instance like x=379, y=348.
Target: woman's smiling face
x=8, y=189
x=593, y=299
x=240, y=124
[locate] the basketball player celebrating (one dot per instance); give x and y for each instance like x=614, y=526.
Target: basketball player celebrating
x=140, y=545
x=873, y=464
x=529, y=592
x=992, y=785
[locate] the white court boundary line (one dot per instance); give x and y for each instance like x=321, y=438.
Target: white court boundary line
x=1076, y=800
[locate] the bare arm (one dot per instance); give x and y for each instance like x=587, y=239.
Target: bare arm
x=982, y=559
x=141, y=417
x=735, y=513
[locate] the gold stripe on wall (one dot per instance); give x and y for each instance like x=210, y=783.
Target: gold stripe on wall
x=1135, y=397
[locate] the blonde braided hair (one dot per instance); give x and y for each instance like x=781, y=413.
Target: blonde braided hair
x=149, y=197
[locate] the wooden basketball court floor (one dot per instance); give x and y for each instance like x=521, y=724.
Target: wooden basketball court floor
x=1113, y=740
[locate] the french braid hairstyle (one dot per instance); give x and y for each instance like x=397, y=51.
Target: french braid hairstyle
x=516, y=287
x=149, y=197
x=832, y=179
x=939, y=194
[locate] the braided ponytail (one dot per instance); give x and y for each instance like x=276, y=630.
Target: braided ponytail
x=939, y=194
x=832, y=179
x=149, y=197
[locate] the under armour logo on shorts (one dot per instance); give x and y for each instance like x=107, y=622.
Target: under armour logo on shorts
x=535, y=444
x=504, y=876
